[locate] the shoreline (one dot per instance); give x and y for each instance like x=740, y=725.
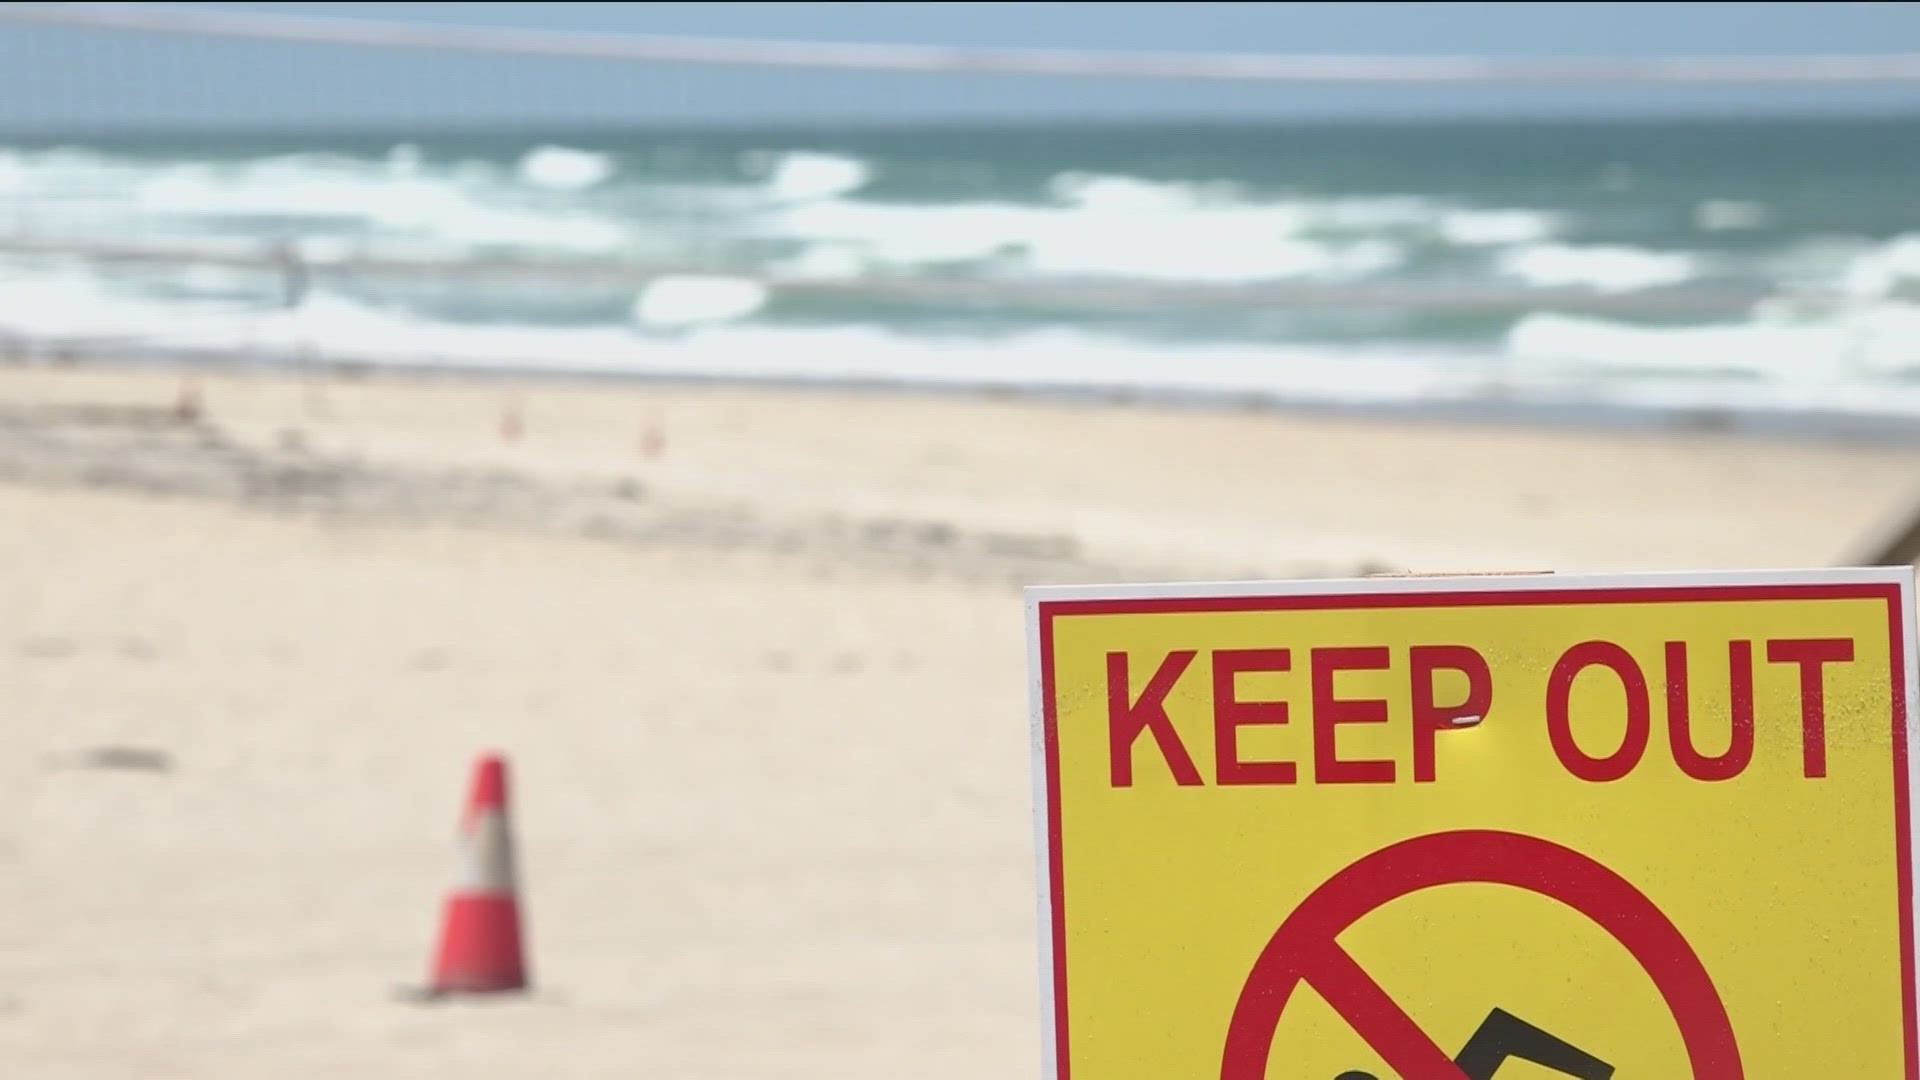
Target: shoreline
x=1599, y=419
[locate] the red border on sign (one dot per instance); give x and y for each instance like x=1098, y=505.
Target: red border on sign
x=1888, y=592
x=1306, y=949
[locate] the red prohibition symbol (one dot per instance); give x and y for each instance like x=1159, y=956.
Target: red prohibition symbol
x=1304, y=949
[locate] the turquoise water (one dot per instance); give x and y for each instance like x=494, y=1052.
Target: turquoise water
x=1751, y=266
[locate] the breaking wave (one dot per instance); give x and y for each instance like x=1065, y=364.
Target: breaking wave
x=720, y=229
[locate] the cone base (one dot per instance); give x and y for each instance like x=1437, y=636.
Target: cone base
x=480, y=949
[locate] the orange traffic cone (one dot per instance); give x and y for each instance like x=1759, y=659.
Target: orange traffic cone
x=653, y=441
x=513, y=423
x=480, y=943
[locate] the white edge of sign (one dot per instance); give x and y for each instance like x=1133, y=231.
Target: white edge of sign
x=1042, y=849
x=1912, y=661
x=1473, y=582
x=1036, y=595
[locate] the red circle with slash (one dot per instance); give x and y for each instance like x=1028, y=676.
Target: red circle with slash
x=1304, y=949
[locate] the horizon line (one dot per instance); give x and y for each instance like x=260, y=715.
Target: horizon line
x=1407, y=70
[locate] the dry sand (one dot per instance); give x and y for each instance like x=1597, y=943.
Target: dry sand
x=763, y=692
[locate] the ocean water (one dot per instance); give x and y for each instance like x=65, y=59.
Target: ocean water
x=1740, y=267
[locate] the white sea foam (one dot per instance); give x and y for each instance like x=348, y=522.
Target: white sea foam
x=1819, y=263
x=1202, y=244
x=1098, y=225
x=398, y=194
x=1368, y=214
x=76, y=306
x=906, y=235
x=64, y=173
x=1550, y=360
x=826, y=262
x=1729, y=215
x=802, y=176
x=1876, y=340
x=405, y=159
x=433, y=207
x=693, y=300
x=1212, y=249
x=1605, y=268
x=1119, y=226
x=562, y=168
x=1882, y=269
x=1490, y=228
x=321, y=250
x=1353, y=214
x=1100, y=191
x=14, y=175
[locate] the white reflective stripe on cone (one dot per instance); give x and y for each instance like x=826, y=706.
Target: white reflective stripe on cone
x=487, y=862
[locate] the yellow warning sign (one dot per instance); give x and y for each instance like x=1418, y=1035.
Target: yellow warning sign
x=1645, y=826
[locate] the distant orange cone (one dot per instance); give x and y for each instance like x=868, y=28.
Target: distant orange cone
x=513, y=422
x=653, y=441
x=188, y=407
x=480, y=942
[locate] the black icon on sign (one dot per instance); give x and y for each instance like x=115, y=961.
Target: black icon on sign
x=1503, y=1035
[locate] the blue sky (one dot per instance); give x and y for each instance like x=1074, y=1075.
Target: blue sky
x=74, y=80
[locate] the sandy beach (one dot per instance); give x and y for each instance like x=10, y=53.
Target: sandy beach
x=756, y=656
